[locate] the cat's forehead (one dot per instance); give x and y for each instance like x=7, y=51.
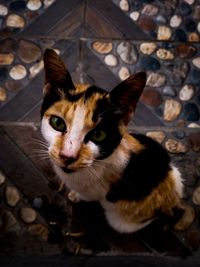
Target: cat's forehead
x=90, y=102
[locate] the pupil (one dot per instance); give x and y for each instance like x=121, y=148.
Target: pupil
x=57, y=123
x=98, y=134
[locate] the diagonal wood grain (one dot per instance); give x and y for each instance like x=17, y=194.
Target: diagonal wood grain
x=20, y=170
x=55, y=13
x=123, y=24
x=96, y=25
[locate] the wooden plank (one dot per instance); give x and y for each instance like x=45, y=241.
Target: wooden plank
x=97, y=25
x=30, y=144
x=97, y=261
x=118, y=19
x=23, y=101
x=68, y=25
x=55, y=14
x=145, y=117
x=165, y=240
x=21, y=171
x=33, y=115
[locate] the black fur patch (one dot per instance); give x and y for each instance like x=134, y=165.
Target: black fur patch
x=73, y=97
x=49, y=100
x=143, y=173
x=109, y=124
x=102, y=107
x=92, y=90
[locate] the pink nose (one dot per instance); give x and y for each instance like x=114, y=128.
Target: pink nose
x=67, y=159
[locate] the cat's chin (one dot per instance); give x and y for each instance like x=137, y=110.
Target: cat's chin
x=67, y=170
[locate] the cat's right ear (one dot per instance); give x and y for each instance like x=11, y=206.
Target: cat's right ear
x=126, y=95
x=56, y=74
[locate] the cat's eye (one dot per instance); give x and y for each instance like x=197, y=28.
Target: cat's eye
x=98, y=136
x=57, y=123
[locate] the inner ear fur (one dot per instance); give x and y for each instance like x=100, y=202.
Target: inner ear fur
x=56, y=73
x=125, y=96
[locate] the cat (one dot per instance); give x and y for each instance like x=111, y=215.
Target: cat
x=95, y=156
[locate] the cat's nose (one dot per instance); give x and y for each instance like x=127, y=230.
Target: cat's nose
x=66, y=159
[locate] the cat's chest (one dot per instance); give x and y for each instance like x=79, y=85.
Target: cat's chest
x=92, y=184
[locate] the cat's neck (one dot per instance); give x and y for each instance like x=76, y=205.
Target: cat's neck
x=93, y=182
x=117, y=161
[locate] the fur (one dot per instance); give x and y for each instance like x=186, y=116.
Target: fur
x=95, y=156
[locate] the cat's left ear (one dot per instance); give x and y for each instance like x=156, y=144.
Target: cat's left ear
x=56, y=74
x=125, y=96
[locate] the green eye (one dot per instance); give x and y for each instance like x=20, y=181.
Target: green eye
x=57, y=123
x=98, y=136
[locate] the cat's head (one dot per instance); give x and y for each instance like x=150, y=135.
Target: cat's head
x=84, y=123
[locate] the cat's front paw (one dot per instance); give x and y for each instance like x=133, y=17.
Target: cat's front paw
x=73, y=196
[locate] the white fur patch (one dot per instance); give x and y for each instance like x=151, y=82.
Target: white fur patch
x=178, y=180
x=92, y=182
x=48, y=132
x=117, y=222
x=75, y=134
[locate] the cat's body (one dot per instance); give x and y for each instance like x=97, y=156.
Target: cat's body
x=95, y=156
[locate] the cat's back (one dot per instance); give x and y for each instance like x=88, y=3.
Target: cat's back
x=149, y=184
x=146, y=168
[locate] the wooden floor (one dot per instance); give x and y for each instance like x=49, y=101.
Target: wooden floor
x=74, y=27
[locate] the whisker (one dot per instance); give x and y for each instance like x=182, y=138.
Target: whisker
x=36, y=152
x=99, y=179
x=38, y=141
x=41, y=157
x=40, y=149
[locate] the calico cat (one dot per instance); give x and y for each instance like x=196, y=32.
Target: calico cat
x=85, y=127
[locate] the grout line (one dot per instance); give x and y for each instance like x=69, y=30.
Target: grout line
x=36, y=37
x=142, y=128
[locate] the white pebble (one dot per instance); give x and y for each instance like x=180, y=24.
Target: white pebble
x=12, y=196
x=124, y=5
x=48, y=3
x=2, y=178
x=28, y=215
x=35, y=69
x=196, y=62
x=148, y=48
x=198, y=27
x=3, y=10
x=135, y=15
x=164, y=33
x=111, y=60
x=186, y=92
x=15, y=21
x=175, y=21
x=193, y=125
x=18, y=72
x=124, y=73
x=190, y=2
x=34, y=4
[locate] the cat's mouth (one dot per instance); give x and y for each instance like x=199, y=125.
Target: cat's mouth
x=67, y=170
x=73, y=167
x=64, y=167
x=70, y=166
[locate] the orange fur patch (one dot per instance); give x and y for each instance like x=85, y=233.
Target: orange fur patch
x=163, y=197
